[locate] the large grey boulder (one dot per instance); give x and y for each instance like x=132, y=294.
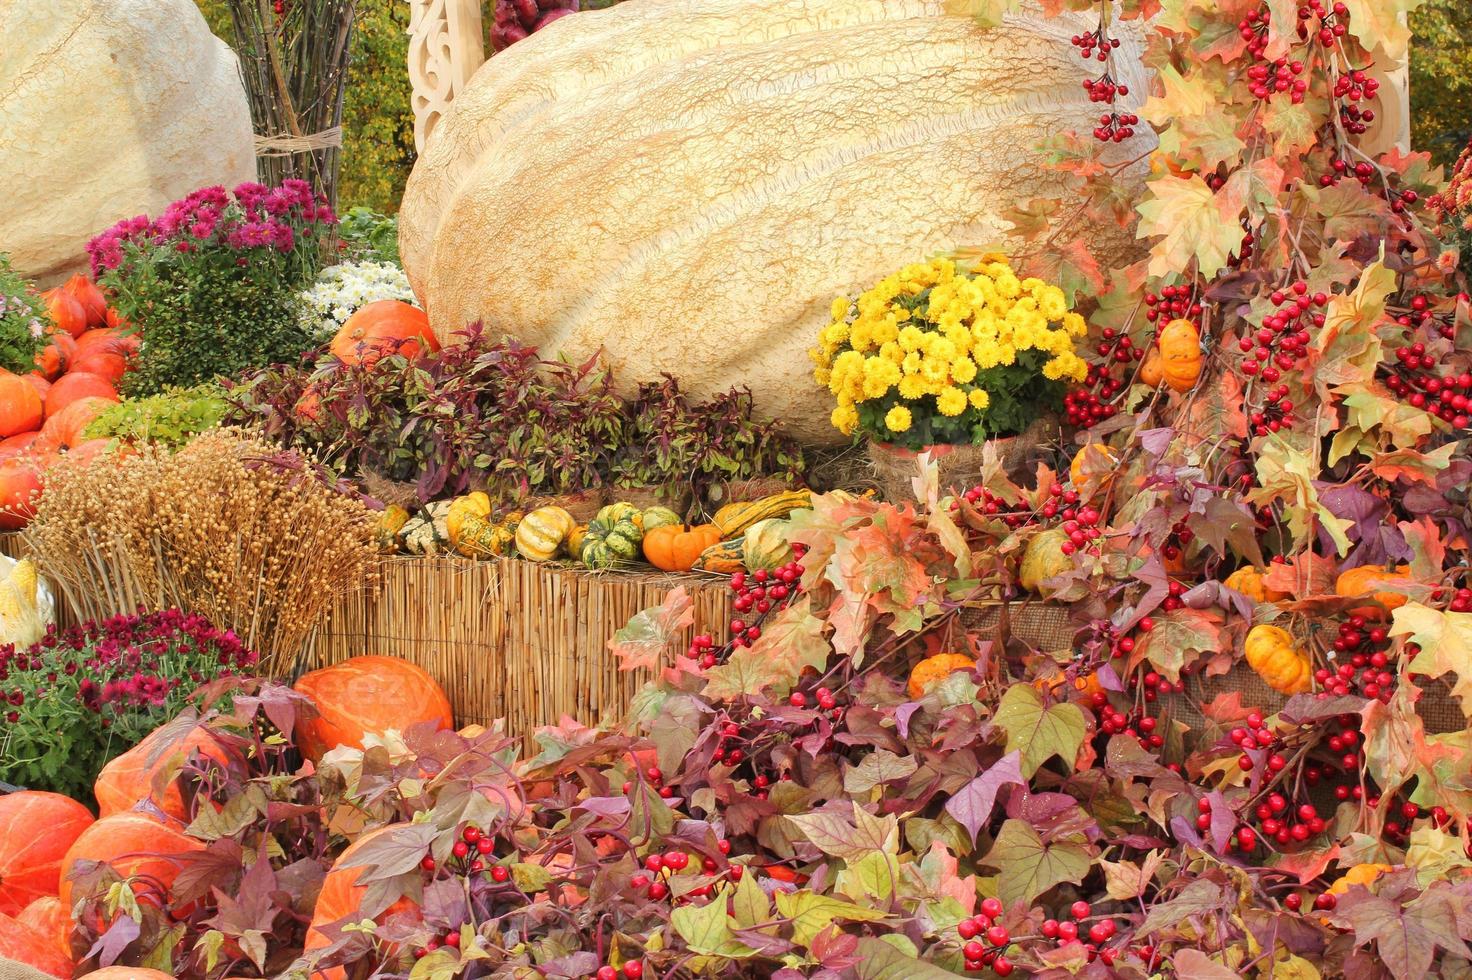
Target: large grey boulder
x=108, y=109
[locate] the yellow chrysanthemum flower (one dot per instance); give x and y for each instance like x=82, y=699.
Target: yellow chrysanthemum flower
x=1051, y=303
x=912, y=386
x=912, y=338
x=822, y=376
x=845, y=419
x=951, y=401
x=934, y=370
x=979, y=398
x=840, y=308
x=1075, y=324
x=835, y=333
x=911, y=363
x=898, y=419
x=963, y=370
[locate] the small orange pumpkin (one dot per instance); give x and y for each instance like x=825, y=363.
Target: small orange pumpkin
x=65, y=311
x=56, y=358
x=1248, y=581
x=385, y=327
x=933, y=670
x=1093, y=468
x=1083, y=687
x=1363, y=580
x=1152, y=369
x=675, y=547
x=1180, y=354
x=1283, y=667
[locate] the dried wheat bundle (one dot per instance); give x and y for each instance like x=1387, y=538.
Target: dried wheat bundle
x=228, y=526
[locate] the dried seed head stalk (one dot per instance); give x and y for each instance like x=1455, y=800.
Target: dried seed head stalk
x=227, y=527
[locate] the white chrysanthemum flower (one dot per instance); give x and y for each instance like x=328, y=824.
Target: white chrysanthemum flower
x=340, y=290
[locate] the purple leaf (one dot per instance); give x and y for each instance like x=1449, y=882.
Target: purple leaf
x=972, y=804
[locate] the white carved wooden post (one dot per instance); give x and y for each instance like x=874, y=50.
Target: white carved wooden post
x=446, y=47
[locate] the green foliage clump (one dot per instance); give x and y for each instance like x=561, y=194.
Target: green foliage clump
x=369, y=236
x=23, y=320
x=171, y=418
x=1441, y=78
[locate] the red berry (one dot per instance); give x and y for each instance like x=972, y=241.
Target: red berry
x=998, y=936
x=607, y=973
x=633, y=969
x=991, y=908
x=500, y=875
x=1081, y=910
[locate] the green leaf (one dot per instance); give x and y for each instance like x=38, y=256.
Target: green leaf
x=706, y=930
x=881, y=960
x=530, y=878
x=877, y=768
x=871, y=879
x=1039, y=733
x=1029, y=867
x=811, y=913
x=750, y=906
x=648, y=640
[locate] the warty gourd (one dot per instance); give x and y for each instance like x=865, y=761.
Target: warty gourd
x=688, y=184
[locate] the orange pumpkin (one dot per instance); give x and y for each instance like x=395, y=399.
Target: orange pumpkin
x=75, y=386
x=25, y=945
x=35, y=831
x=16, y=445
x=20, y=405
x=308, y=407
x=1248, y=581
x=367, y=695
x=1284, y=667
x=56, y=358
x=1093, y=468
x=137, y=846
x=89, y=297
x=1152, y=369
x=1364, y=580
x=20, y=485
x=107, y=340
x=65, y=312
x=385, y=327
x=932, y=670
x=104, y=363
x=1083, y=687
x=42, y=386
x=66, y=429
x=341, y=897
x=46, y=917
x=675, y=547
x=128, y=780
x=1180, y=354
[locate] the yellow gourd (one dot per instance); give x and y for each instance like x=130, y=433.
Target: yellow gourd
x=724, y=557
x=1248, y=581
x=1283, y=667
x=475, y=504
x=390, y=523
x=542, y=532
x=734, y=519
x=1043, y=559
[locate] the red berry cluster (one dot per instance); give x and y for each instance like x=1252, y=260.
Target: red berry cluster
x=473, y=855
x=1411, y=378
x=1114, y=126
x=1421, y=314
x=1333, y=23
x=1177, y=541
x=986, y=941
x=1172, y=303
x=757, y=594
x=1135, y=724
x=1461, y=601
x=1351, y=88
x=1093, y=401
x=1269, y=79
x=1243, y=838
x=1068, y=931
x=1285, y=823
x=1277, y=348
x=655, y=776
x=632, y=970
x=1367, y=671
x=1080, y=523
x=1323, y=902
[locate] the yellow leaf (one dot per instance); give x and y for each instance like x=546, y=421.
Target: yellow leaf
x=1192, y=223
x=1445, y=639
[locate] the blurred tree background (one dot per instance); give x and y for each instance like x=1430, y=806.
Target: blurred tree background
x=378, y=125
x=1441, y=78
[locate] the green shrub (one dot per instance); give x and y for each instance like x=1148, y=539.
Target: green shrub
x=1441, y=78
x=171, y=418
x=23, y=320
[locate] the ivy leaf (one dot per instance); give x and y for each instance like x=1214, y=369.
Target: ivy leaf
x=791, y=642
x=706, y=929
x=1038, y=733
x=653, y=635
x=1192, y=964
x=877, y=768
x=1192, y=223
x=849, y=841
x=1406, y=937
x=812, y=913
x=972, y=804
x=879, y=960
x=1445, y=639
x=1030, y=867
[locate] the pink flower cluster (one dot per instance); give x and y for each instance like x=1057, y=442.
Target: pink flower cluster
x=130, y=662
x=252, y=216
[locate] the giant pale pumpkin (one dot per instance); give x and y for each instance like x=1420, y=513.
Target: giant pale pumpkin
x=20, y=405
x=22, y=944
x=135, y=845
x=367, y=695
x=36, y=829
x=687, y=184
x=385, y=327
x=128, y=780
x=341, y=896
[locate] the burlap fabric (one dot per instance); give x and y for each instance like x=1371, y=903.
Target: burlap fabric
x=896, y=468
x=11, y=970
